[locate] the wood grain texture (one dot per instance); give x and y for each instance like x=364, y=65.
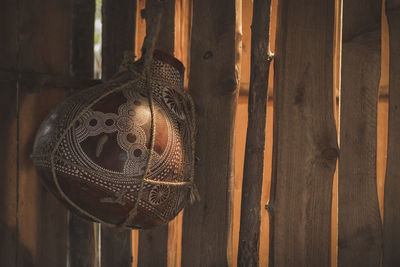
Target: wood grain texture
x=118, y=36
x=83, y=38
x=44, y=34
x=213, y=85
x=249, y=237
x=153, y=243
x=165, y=40
x=82, y=247
x=118, y=33
x=391, y=219
x=8, y=136
x=42, y=219
x=153, y=247
x=305, y=143
x=359, y=222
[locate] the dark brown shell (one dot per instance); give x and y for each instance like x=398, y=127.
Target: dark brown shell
x=92, y=150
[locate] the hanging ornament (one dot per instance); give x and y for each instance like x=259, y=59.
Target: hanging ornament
x=122, y=152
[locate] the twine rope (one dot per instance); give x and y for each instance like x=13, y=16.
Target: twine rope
x=147, y=73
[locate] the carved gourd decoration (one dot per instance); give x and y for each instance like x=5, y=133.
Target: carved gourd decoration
x=115, y=157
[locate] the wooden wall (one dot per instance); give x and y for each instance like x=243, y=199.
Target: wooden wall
x=331, y=94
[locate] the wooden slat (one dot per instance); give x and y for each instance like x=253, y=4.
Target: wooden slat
x=153, y=247
x=214, y=88
x=83, y=38
x=82, y=247
x=8, y=136
x=305, y=143
x=165, y=40
x=391, y=219
x=42, y=219
x=44, y=45
x=359, y=223
x=8, y=172
x=249, y=238
x=153, y=243
x=118, y=33
x=118, y=36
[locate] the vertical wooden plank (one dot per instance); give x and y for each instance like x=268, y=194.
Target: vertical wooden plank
x=42, y=219
x=8, y=136
x=359, y=223
x=383, y=113
x=118, y=33
x=305, y=144
x=241, y=124
x=165, y=40
x=81, y=235
x=214, y=86
x=249, y=238
x=391, y=237
x=183, y=24
x=153, y=243
x=83, y=38
x=44, y=44
x=8, y=170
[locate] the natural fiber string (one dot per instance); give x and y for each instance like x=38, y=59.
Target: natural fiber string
x=148, y=57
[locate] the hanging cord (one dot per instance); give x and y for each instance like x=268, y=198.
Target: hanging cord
x=148, y=57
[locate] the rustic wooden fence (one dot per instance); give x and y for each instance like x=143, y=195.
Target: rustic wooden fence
x=285, y=195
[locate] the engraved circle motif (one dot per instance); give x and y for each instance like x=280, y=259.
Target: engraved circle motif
x=159, y=194
x=174, y=102
x=127, y=139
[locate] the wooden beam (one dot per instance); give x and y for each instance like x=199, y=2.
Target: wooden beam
x=118, y=33
x=359, y=222
x=82, y=247
x=82, y=38
x=44, y=34
x=214, y=87
x=153, y=243
x=249, y=237
x=305, y=141
x=8, y=136
x=119, y=18
x=391, y=219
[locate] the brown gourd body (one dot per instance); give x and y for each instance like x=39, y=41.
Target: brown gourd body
x=93, y=149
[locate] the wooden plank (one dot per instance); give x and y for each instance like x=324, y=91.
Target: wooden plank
x=359, y=223
x=44, y=43
x=153, y=247
x=83, y=38
x=250, y=220
x=165, y=40
x=153, y=243
x=42, y=219
x=8, y=136
x=8, y=172
x=118, y=36
x=391, y=220
x=305, y=143
x=214, y=87
x=118, y=33
x=82, y=247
